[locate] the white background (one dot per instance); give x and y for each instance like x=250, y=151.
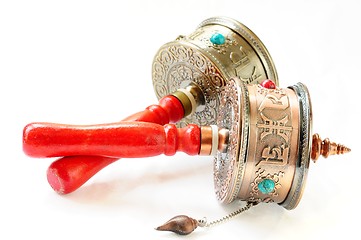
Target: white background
x=88, y=62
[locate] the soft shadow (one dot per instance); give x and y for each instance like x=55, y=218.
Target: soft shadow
x=111, y=192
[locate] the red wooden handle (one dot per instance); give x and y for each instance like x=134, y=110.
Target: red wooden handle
x=67, y=174
x=169, y=110
x=122, y=139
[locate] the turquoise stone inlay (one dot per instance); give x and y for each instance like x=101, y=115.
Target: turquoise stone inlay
x=266, y=186
x=218, y=39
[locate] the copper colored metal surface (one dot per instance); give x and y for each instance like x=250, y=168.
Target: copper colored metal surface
x=270, y=143
x=273, y=143
x=206, y=140
x=326, y=148
x=223, y=135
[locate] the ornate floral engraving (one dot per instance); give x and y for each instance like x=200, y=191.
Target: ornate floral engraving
x=175, y=64
x=228, y=113
x=261, y=175
x=220, y=48
x=229, y=166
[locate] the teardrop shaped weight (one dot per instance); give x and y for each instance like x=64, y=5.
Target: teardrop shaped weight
x=181, y=224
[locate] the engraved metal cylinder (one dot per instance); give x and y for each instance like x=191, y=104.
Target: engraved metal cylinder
x=268, y=156
x=220, y=48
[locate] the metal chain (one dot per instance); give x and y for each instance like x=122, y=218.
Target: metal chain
x=204, y=223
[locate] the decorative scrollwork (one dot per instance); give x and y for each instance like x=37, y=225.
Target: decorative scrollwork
x=265, y=195
x=175, y=64
x=227, y=165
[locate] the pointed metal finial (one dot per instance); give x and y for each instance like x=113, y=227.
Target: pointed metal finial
x=326, y=148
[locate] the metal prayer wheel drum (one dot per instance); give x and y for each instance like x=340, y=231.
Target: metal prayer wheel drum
x=219, y=49
x=268, y=154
